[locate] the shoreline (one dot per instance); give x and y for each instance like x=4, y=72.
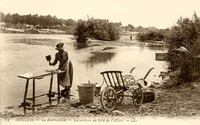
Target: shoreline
x=35, y=31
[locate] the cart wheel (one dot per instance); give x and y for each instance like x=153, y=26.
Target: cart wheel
x=137, y=97
x=108, y=99
x=120, y=98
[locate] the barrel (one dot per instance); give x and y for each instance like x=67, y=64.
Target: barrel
x=86, y=93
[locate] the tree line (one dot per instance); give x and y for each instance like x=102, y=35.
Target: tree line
x=35, y=20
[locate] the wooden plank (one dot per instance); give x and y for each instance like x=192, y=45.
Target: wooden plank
x=30, y=98
x=109, y=79
x=113, y=71
x=122, y=80
x=34, y=75
x=113, y=79
x=117, y=77
x=31, y=75
x=104, y=79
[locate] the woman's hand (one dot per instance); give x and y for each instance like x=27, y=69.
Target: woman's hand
x=58, y=70
x=50, y=63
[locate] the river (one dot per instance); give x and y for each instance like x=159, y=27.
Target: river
x=22, y=53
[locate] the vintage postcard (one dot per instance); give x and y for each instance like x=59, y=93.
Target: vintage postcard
x=99, y=62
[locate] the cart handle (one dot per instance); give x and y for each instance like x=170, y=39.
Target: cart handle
x=132, y=69
x=148, y=73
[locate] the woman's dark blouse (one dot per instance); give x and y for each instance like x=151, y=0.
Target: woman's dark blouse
x=62, y=57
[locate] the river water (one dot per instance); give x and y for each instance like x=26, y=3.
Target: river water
x=22, y=53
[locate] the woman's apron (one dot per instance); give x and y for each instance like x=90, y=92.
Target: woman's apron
x=65, y=79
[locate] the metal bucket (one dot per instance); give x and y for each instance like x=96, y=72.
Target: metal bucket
x=86, y=93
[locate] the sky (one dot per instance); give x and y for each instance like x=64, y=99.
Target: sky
x=146, y=13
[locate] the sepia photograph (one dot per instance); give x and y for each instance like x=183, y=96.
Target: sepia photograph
x=100, y=62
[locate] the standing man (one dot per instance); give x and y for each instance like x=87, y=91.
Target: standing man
x=131, y=37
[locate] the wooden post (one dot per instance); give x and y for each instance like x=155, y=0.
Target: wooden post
x=25, y=95
x=59, y=96
x=33, y=106
x=50, y=88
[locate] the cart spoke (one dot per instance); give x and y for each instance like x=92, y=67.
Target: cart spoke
x=106, y=95
x=112, y=101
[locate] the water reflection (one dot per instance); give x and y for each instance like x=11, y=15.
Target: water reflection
x=78, y=45
x=98, y=58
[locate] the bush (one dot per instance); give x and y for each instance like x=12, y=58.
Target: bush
x=81, y=32
x=150, y=35
x=186, y=33
x=97, y=29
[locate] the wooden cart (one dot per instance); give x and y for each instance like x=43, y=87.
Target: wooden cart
x=113, y=94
